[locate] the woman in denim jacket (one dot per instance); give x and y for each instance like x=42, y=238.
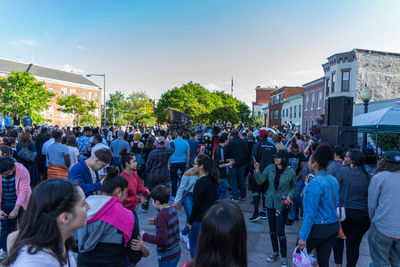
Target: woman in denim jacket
x=281, y=179
x=320, y=225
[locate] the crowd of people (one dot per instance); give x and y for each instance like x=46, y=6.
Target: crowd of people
x=80, y=190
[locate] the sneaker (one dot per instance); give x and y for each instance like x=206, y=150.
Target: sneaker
x=184, y=238
x=235, y=200
x=273, y=257
x=255, y=217
x=284, y=262
x=263, y=215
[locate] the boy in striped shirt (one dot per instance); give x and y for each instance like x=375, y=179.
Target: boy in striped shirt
x=167, y=228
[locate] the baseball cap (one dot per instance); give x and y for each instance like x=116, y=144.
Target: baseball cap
x=392, y=156
x=263, y=133
x=281, y=154
x=87, y=129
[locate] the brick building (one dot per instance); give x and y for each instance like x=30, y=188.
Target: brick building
x=263, y=96
x=313, y=103
x=62, y=84
x=277, y=97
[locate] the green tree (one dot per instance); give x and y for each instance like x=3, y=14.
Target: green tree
x=21, y=93
x=81, y=109
x=116, y=109
x=139, y=108
x=224, y=114
x=199, y=103
x=387, y=141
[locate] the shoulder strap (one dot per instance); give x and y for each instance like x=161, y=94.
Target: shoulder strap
x=334, y=202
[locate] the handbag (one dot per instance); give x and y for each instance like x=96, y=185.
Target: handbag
x=289, y=214
x=26, y=155
x=340, y=234
x=178, y=205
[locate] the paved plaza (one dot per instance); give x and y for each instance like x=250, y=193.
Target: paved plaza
x=258, y=242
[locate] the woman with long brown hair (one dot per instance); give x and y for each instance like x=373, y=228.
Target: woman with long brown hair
x=27, y=155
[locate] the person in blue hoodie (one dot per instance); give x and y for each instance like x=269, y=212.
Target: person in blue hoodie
x=320, y=219
x=85, y=171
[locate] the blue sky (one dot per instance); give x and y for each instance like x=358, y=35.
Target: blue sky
x=153, y=46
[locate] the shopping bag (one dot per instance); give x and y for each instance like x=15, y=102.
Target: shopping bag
x=301, y=258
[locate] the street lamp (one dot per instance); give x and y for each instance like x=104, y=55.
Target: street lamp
x=365, y=96
x=104, y=92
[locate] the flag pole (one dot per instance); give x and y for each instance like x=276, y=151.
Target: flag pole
x=232, y=86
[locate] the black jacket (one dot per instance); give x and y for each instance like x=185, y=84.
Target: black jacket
x=238, y=150
x=263, y=151
x=220, y=158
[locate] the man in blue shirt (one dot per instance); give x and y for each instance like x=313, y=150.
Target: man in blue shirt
x=117, y=146
x=7, y=120
x=27, y=121
x=179, y=160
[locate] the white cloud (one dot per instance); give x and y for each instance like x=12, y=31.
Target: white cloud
x=25, y=43
x=212, y=87
x=81, y=47
x=70, y=68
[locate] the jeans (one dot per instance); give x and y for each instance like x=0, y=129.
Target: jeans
x=223, y=189
x=174, y=175
x=277, y=230
x=297, y=198
x=354, y=227
x=384, y=251
x=187, y=206
x=193, y=236
x=8, y=225
x=237, y=174
x=170, y=263
x=323, y=247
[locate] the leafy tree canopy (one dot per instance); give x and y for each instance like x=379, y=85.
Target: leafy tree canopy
x=199, y=103
x=81, y=109
x=21, y=93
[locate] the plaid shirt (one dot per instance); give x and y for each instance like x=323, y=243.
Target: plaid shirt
x=83, y=143
x=157, y=164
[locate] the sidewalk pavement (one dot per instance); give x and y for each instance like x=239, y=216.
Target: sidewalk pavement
x=258, y=242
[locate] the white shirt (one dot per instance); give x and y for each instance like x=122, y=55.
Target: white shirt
x=40, y=259
x=73, y=155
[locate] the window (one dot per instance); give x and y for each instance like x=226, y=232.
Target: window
x=96, y=112
x=51, y=88
x=300, y=111
x=96, y=97
x=312, y=101
x=282, y=113
x=90, y=96
x=295, y=111
x=64, y=115
x=333, y=82
x=72, y=116
x=272, y=115
x=290, y=115
x=287, y=112
x=306, y=125
x=327, y=87
x=319, y=99
x=345, y=80
x=259, y=113
x=306, y=104
x=311, y=124
x=51, y=111
x=72, y=91
x=276, y=114
x=64, y=92
x=84, y=95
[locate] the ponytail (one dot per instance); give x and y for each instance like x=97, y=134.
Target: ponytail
x=210, y=166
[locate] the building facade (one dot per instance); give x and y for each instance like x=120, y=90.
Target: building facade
x=62, y=84
x=277, y=98
x=263, y=97
x=292, y=110
x=347, y=73
x=313, y=103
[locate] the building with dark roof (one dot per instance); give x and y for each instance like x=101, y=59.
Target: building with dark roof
x=62, y=84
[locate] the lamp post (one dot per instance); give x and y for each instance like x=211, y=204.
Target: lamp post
x=104, y=92
x=365, y=95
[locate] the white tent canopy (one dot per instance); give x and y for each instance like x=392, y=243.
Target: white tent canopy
x=386, y=119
